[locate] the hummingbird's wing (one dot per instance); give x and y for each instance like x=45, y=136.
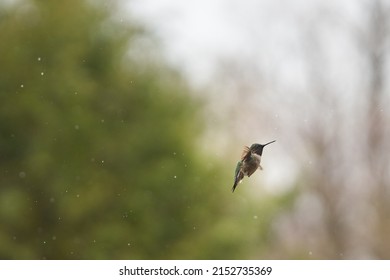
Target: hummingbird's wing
x=238, y=175
x=246, y=153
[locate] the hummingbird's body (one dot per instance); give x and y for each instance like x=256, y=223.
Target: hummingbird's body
x=249, y=163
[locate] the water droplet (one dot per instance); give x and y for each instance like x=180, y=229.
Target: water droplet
x=22, y=174
x=255, y=217
x=39, y=59
x=175, y=176
x=77, y=195
x=42, y=73
x=102, y=161
x=22, y=86
x=128, y=244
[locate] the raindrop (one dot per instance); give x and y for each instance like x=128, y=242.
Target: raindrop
x=42, y=73
x=175, y=176
x=39, y=59
x=128, y=244
x=22, y=86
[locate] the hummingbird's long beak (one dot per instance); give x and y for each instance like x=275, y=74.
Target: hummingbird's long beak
x=268, y=143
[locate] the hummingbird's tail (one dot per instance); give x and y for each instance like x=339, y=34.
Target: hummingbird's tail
x=237, y=180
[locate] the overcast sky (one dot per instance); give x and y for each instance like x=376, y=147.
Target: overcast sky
x=196, y=34
x=273, y=36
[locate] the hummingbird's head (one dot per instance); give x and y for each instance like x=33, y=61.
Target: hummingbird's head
x=258, y=148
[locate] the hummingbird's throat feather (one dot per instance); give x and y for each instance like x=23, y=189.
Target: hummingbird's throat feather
x=256, y=157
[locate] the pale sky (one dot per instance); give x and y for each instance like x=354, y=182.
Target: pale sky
x=270, y=34
x=195, y=34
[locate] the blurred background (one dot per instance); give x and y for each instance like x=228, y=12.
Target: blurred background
x=121, y=123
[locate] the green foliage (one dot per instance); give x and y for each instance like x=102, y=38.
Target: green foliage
x=98, y=151
x=98, y=154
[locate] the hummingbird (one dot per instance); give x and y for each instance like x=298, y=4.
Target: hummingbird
x=249, y=163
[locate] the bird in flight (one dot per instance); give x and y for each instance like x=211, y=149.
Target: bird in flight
x=249, y=163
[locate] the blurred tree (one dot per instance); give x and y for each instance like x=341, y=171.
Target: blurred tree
x=329, y=115
x=98, y=148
